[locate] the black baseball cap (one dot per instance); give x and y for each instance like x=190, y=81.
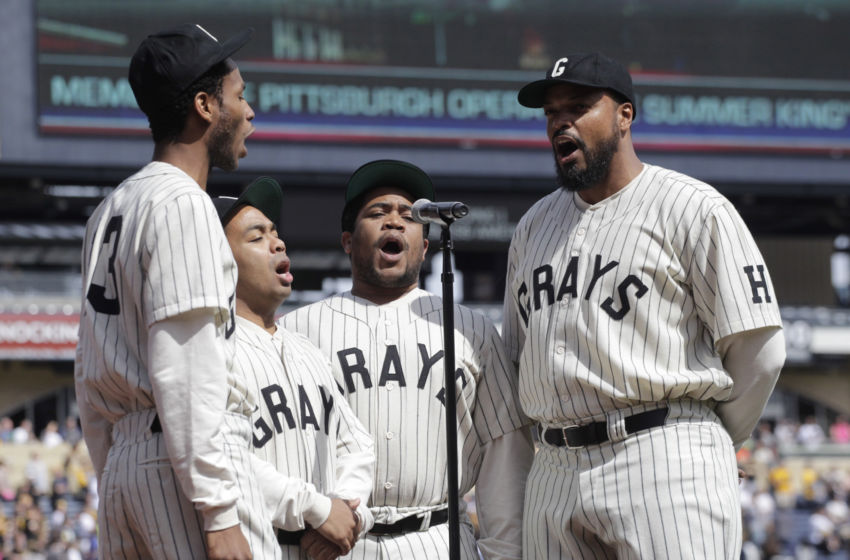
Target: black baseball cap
x=389, y=173
x=168, y=62
x=586, y=69
x=264, y=194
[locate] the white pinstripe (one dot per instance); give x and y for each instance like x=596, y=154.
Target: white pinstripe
x=388, y=359
x=634, y=498
x=156, y=250
x=303, y=425
x=614, y=307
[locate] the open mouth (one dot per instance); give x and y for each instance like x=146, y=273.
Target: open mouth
x=282, y=271
x=565, y=147
x=391, y=247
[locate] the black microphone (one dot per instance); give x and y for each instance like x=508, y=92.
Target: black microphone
x=426, y=212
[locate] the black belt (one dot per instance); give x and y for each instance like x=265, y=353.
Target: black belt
x=290, y=537
x=410, y=524
x=597, y=432
x=156, y=428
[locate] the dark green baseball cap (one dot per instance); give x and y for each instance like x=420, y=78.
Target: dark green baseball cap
x=389, y=173
x=264, y=194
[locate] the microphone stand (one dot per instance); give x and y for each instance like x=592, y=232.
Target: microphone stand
x=451, y=392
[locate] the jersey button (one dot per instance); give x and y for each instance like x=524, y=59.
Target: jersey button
x=559, y=350
x=581, y=231
x=389, y=386
x=388, y=485
x=563, y=302
x=390, y=435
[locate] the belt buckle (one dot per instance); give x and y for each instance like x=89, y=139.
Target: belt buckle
x=566, y=439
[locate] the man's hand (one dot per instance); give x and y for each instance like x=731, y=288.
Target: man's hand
x=339, y=528
x=318, y=547
x=358, y=522
x=227, y=544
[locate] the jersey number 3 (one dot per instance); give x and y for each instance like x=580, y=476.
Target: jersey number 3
x=97, y=293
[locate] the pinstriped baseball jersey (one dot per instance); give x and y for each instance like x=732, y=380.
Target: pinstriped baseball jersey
x=154, y=249
x=303, y=424
x=620, y=303
x=388, y=359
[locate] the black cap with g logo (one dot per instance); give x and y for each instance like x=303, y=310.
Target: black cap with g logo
x=589, y=69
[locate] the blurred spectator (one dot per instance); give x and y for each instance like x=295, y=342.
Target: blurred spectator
x=58, y=516
x=822, y=534
x=764, y=435
x=30, y=527
x=80, y=472
x=837, y=510
x=810, y=434
x=839, y=432
x=23, y=433
x=71, y=431
x=813, y=492
x=7, y=493
x=59, y=488
x=781, y=485
x=785, y=432
x=764, y=511
x=37, y=474
x=6, y=428
x=764, y=454
x=50, y=436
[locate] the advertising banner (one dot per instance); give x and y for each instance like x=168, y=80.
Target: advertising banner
x=422, y=74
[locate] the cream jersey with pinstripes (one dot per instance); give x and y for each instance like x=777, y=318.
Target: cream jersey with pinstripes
x=303, y=425
x=620, y=303
x=154, y=249
x=389, y=360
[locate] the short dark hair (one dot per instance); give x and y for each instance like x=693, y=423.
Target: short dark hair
x=167, y=124
x=619, y=98
x=350, y=211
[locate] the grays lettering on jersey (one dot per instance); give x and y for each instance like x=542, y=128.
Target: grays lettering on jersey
x=620, y=303
x=388, y=361
x=303, y=424
x=613, y=310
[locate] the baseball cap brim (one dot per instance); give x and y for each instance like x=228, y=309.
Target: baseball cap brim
x=389, y=173
x=264, y=194
x=534, y=94
x=233, y=44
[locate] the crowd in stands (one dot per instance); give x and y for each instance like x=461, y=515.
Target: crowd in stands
x=794, y=505
x=794, y=500
x=48, y=493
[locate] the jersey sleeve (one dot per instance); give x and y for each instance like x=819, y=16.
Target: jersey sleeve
x=355, y=462
x=500, y=493
x=731, y=285
x=292, y=502
x=189, y=382
x=497, y=410
x=188, y=259
x=513, y=325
